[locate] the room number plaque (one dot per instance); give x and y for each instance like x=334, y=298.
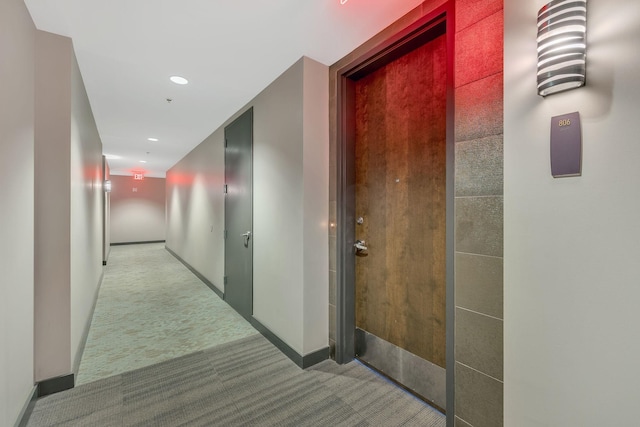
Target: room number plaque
x=566, y=145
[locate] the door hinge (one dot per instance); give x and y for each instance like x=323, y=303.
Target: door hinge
x=226, y=142
x=225, y=234
x=226, y=189
x=226, y=279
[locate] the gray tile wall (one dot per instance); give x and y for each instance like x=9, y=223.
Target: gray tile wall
x=479, y=216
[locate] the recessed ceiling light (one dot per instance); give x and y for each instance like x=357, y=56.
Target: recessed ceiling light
x=112, y=157
x=179, y=80
x=153, y=139
x=143, y=161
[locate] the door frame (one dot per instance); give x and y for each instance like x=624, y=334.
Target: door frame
x=415, y=35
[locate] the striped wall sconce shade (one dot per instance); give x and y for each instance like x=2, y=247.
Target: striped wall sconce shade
x=562, y=47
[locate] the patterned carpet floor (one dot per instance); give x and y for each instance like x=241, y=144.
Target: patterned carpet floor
x=247, y=382
x=151, y=308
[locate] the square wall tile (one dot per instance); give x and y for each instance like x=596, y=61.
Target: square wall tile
x=479, y=398
x=479, y=109
x=479, y=284
x=479, y=225
x=457, y=422
x=479, y=167
x=468, y=12
x=479, y=50
x=479, y=342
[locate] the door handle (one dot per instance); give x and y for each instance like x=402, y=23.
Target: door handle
x=246, y=236
x=360, y=245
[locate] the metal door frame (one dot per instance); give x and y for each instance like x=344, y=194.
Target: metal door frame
x=417, y=34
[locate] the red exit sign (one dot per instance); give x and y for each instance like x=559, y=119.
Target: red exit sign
x=138, y=176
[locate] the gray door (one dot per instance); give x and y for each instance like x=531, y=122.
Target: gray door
x=238, y=213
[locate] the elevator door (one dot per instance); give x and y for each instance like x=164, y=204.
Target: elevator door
x=400, y=161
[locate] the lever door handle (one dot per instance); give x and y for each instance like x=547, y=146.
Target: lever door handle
x=360, y=245
x=246, y=236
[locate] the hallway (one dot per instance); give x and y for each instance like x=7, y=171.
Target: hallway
x=150, y=309
x=163, y=349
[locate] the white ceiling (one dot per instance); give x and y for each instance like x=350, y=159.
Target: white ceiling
x=228, y=50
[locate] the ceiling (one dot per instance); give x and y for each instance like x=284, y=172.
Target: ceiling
x=228, y=50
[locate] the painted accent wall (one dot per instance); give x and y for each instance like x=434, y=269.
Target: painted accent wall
x=17, y=65
x=290, y=206
x=68, y=215
x=572, y=244
x=137, y=209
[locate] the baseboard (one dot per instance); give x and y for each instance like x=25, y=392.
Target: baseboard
x=137, y=243
x=302, y=361
x=23, y=418
x=87, y=326
x=197, y=273
x=55, y=385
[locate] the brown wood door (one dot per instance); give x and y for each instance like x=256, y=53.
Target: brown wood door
x=400, y=146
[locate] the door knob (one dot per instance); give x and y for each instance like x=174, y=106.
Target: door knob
x=246, y=236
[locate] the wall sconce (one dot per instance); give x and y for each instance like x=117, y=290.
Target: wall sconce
x=562, y=47
x=107, y=186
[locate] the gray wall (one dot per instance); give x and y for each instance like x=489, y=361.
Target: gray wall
x=290, y=206
x=478, y=216
x=68, y=215
x=17, y=50
x=137, y=216
x=572, y=244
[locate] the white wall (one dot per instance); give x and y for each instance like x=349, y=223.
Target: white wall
x=572, y=245
x=17, y=38
x=290, y=206
x=68, y=214
x=137, y=209
x=315, y=159
x=86, y=213
x=195, y=208
x=52, y=206
x=278, y=191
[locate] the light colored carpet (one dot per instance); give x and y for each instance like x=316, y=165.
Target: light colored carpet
x=151, y=308
x=247, y=382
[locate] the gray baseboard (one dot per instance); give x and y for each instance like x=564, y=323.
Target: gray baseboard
x=197, y=273
x=56, y=385
x=302, y=361
x=23, y=418
x=137, y=243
